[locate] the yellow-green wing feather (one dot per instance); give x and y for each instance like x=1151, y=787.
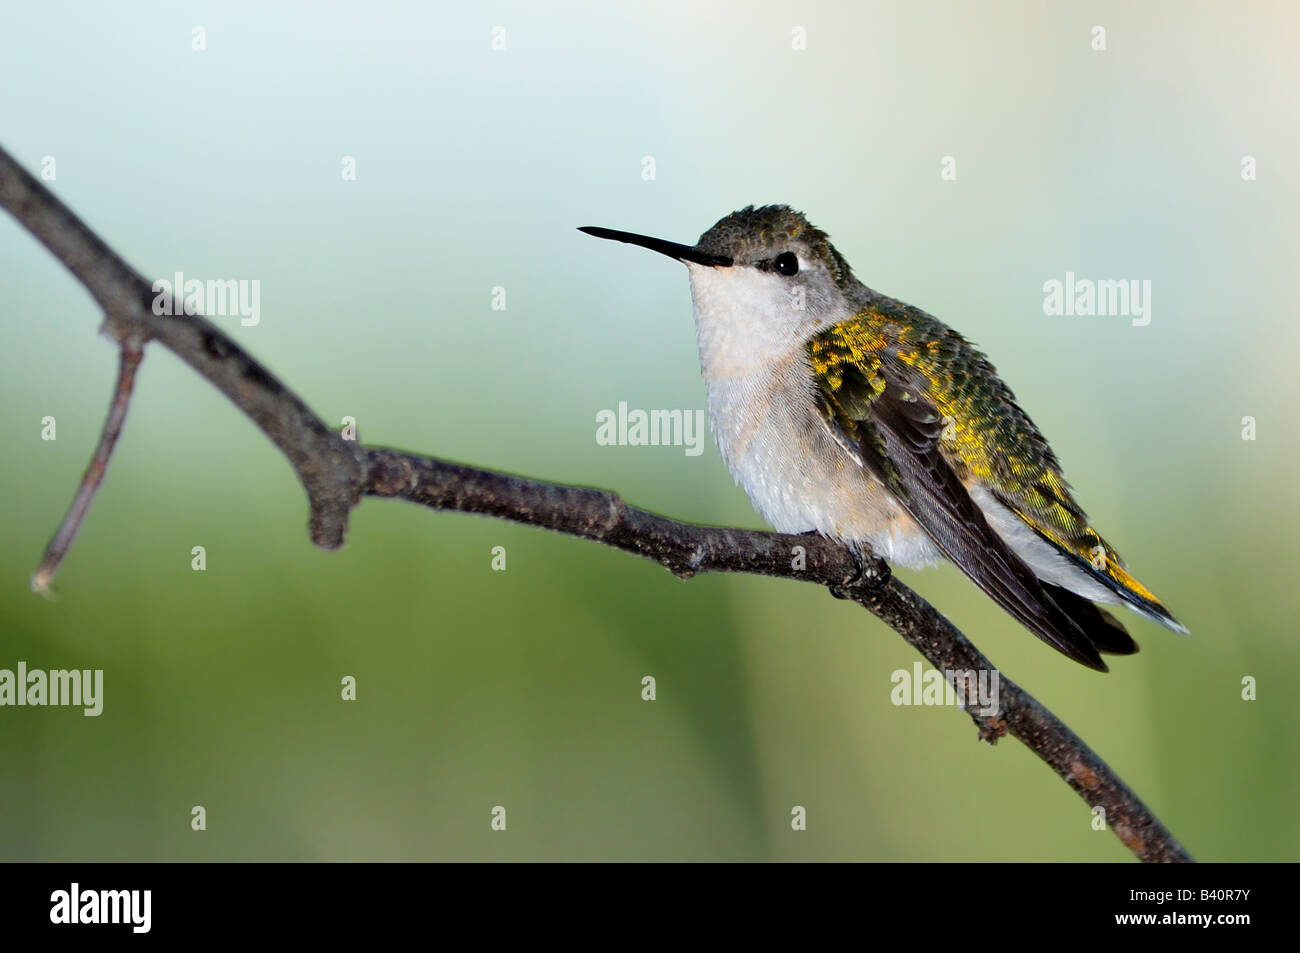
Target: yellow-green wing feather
x=986, y=436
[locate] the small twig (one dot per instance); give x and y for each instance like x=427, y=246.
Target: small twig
x=132, y=351
x=328, y=466
x=336, y=472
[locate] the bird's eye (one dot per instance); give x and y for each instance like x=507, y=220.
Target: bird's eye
x=786, y=263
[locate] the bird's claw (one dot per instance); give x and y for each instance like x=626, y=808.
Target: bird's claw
x=869, y=573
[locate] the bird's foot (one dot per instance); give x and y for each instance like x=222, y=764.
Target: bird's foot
x=869, y=572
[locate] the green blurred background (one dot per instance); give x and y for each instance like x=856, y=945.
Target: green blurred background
x=523, y=688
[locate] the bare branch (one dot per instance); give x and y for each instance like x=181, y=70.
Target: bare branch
x=686, y=549
x=328, y=466
x=336, y=473
x=597, y=515
x=132, y=352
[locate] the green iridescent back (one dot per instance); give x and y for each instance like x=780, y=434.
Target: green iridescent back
x=986, y=437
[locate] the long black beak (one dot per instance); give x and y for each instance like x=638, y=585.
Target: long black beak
x=671, y=249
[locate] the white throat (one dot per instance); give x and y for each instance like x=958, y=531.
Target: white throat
x=745, y=320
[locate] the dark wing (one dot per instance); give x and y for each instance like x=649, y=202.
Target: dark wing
x=897, y=431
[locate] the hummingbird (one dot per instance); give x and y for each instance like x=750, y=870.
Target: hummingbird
x=845, y=412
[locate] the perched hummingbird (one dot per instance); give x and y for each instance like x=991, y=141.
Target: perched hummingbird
x=843, y=411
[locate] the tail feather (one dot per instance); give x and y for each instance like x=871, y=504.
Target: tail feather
x=1105, y=632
